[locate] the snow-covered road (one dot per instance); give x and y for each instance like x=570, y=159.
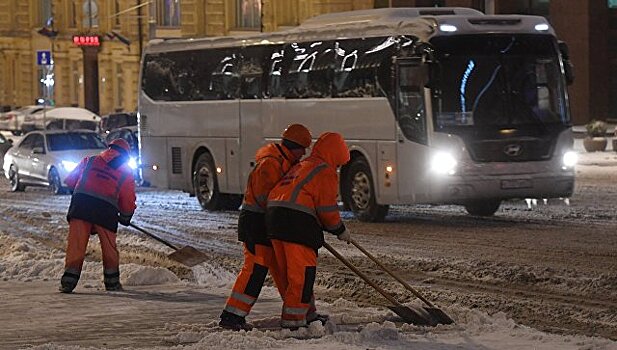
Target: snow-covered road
x=552, y=268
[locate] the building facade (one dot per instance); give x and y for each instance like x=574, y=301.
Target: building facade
x=104, y=77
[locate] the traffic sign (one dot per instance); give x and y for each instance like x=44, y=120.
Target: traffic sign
x=43, y=58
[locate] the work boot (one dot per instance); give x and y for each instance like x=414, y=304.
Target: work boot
x=318, y=317
x=234, y=322
x=116, y=287
x=66, y=287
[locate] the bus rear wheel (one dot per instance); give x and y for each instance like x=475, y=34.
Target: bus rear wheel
x=206, y=187
x=486, y=207
x=205, y=183
x=359, y=193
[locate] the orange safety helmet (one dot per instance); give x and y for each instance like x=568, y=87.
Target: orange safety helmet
x=120, y=143
x=299, y=134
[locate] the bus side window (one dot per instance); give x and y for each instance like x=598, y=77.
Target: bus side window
x=275, y=73
x=225, y=79
x=410, y=103
x=309, y=73
x=359, y=66
x=251, y=72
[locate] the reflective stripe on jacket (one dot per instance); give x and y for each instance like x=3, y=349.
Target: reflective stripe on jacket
x=309, y=190
x=272, y=162
x=100, y=191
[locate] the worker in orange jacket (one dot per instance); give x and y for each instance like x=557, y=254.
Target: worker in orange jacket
x=103, y=196
x=300, y=207
x=272, y=162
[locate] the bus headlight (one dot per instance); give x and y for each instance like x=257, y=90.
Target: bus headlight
x=443, y=163
x=570, y=158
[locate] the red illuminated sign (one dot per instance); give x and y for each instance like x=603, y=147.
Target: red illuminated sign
x=87, y=40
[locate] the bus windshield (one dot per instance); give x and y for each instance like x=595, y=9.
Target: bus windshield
x=498, y=81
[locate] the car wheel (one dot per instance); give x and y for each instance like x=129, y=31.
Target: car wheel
x=55, y=186
x=358, y=192
x=16, y=185
x=483, y=207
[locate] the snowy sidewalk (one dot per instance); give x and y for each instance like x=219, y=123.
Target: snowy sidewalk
x=606, y=158
x=36, y=313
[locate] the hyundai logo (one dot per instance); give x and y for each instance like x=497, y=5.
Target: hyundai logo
x=513, y=150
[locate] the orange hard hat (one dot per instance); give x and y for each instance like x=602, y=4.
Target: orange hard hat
x=121, y=143
x=299, y=134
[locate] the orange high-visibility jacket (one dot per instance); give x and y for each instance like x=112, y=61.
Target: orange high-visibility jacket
x=271, y=163
x=303, y=203
x=103, y=188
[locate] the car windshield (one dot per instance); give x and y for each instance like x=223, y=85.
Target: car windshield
x=74, y=141
x=115, y=121
x=499, y=80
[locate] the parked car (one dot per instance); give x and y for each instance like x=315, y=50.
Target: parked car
x=45, y=158
x=13, y=120
x=5, y=144
x=63, y=118
x=118, y=120
x=10, y=137
x=129, y=134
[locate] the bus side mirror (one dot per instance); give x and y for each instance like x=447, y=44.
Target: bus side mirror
x=567, y=64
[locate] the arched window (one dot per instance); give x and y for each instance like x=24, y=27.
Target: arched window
x=90, y=10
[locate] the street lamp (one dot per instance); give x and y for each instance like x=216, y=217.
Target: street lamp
x=48, y=80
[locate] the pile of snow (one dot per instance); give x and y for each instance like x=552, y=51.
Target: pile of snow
x=25, y=259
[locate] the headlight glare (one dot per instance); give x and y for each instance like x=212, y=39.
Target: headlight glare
x=570, y=158
x=69, y=165
x=133, y=163
x=443, y=163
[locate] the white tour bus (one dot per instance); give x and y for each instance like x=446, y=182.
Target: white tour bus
x=437, y=105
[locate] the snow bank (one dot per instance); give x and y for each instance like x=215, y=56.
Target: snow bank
x=25, y=259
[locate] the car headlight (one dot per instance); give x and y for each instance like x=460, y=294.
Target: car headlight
x=133, y=163
x=569, y=159
x=69, y=165
x=443, y=163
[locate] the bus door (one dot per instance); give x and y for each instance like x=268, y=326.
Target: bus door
x=412, y=131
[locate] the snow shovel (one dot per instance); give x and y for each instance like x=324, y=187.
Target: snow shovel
x=414, y=316
x=437, y=315
x=186, y=255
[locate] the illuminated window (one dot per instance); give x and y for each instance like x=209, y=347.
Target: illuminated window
x=119, y=87
x=90, y=10
x=116, y=18
x=612, y=4
x=72, y=14
x=168, y=13
x=45, y=12
x=248, y=14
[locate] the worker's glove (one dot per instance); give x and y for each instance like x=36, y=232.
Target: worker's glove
x=125, y=219
x=345, y=236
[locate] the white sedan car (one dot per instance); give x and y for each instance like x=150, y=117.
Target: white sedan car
x=13, y=120
x=45, y=158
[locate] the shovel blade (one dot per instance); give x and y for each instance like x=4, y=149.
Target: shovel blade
x=439, y=316
x=188, y=256
x=421, y=316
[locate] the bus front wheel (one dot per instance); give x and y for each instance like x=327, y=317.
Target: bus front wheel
x=486, y=207
x=359, y=193
x=205, y=183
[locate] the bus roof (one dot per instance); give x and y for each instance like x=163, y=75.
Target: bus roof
x=421, y=22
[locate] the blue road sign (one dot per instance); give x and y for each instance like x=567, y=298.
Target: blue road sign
x=43, y=58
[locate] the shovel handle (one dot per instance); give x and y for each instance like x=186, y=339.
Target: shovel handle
x=384, y=268
x=362, y=275
x=153, y=236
